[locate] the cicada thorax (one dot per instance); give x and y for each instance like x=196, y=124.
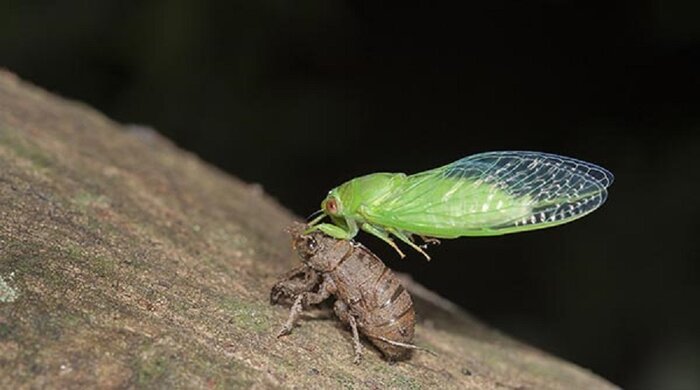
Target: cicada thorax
x=365, y=190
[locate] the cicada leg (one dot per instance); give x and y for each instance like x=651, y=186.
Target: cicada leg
x=403, y=237
x=336, y=231
x=332, y=230
x=430, y=240
x=381, y=234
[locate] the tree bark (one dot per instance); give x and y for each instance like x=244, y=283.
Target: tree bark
x=126, y=262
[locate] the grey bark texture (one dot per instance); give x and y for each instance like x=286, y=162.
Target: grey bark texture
x=126, y=262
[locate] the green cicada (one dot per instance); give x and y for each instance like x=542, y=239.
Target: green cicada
x=485, y=194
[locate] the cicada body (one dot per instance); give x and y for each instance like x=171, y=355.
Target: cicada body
x=486, y=194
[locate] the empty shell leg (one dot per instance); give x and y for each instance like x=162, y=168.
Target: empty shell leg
x=355, y=340
x=341, y=310
x=293, y=283
x=293, y=316
x=306, y=299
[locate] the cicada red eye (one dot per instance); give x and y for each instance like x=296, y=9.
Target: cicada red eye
x=332, y=206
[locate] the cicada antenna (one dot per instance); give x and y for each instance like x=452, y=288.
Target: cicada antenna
x=315, y=220
x=315, y=213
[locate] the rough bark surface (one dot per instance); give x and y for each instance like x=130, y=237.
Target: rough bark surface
x=126, y=262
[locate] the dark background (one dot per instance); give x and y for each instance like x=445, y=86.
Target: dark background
x=301, y=96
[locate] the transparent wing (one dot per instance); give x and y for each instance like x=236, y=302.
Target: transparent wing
x=521, y=171
x=556, y=188
x=500, y=192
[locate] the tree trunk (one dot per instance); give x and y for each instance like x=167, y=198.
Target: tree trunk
x=126, y=262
